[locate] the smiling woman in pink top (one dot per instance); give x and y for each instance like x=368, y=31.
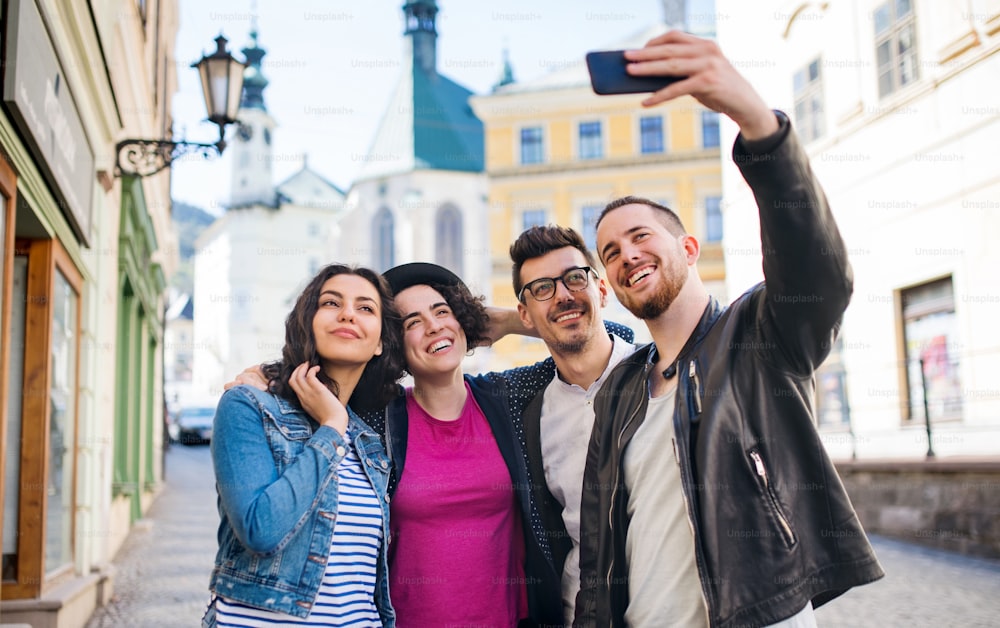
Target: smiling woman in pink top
x=463, y=549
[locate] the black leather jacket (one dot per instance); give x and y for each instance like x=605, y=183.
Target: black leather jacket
x=773, y=526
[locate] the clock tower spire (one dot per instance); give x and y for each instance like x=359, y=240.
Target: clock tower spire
x=252, y=154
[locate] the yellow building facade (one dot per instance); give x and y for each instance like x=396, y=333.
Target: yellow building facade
x=558, y=153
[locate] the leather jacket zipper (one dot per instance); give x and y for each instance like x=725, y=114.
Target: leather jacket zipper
x=682, y=433
x=614, y=482
x=696, y=392
x=786, y=528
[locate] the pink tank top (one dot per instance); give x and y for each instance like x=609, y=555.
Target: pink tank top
x=457, y=550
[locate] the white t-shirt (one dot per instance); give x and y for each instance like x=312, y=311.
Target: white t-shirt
x=566, y=422
x=664, y=587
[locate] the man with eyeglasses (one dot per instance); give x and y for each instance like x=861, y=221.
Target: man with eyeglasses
x=560, y=297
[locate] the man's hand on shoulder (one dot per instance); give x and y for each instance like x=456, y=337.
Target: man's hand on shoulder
x=251, y=376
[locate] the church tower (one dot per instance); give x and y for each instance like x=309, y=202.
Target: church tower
x=251, y=150
x=421, y=33
x=421, y=192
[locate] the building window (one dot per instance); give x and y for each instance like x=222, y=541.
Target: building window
x=709, y=129
x=59, y=511
x=532, y=218
x=650, y=135
x=807, y=85
x=591, y=144
x=12, y=337
x=40, y=462
x=931, y=349
x=832, y=410
x=448, y=239
x=588, y=224
x=12, y=456
x=895, y=46
x=713, y=219
x=384, y=230
x=532, y=149
x=6, y=213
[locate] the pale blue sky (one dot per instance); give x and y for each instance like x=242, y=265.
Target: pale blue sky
x=332, y=65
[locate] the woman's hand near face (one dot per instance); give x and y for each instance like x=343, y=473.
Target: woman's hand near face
x=317, y=399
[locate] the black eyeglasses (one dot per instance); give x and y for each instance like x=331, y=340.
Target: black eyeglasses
x=575, y=280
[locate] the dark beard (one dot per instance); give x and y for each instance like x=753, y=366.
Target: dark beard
x=659, y=302
x=569, y=348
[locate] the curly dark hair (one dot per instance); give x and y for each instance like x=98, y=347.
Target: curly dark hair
x=469, y=310
x=378, y=380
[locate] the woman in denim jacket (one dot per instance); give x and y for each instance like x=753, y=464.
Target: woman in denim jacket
x=303, y=495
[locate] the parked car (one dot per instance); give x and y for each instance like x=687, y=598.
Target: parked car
x=173, y=430
x=194, y=424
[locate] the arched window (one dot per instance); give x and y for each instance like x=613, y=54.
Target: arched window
x=448, y=238
x=384, y=240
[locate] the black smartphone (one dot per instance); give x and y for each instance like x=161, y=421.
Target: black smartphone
x=608, y=75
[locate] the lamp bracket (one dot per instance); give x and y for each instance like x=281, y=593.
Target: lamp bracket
x=141, y=158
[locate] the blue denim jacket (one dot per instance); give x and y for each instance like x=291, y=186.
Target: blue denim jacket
x=276, y=476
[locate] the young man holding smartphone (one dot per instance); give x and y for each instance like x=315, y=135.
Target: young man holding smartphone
x=708, y=497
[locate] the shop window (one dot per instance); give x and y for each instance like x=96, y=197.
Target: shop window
x=13, y=276
x=832, y=410
x=14, y=382
x=62, y=423
x=41, y=408
x=931, y=350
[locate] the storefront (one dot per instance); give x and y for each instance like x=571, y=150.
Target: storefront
x=82, y=298
x=46, y=177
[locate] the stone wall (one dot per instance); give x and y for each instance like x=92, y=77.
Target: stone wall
x=952, y=505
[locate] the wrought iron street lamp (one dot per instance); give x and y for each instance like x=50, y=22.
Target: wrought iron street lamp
x=222, y=84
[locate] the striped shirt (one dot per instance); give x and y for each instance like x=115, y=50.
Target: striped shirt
x=347, y=594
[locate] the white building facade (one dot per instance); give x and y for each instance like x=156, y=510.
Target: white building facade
x=897, y=106
x=85, y=253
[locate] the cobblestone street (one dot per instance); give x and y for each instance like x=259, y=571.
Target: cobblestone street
x=163, y=568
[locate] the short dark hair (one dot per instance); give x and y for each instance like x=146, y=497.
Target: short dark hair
x=378, y=380
x=668, y=217
x=541, y=239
